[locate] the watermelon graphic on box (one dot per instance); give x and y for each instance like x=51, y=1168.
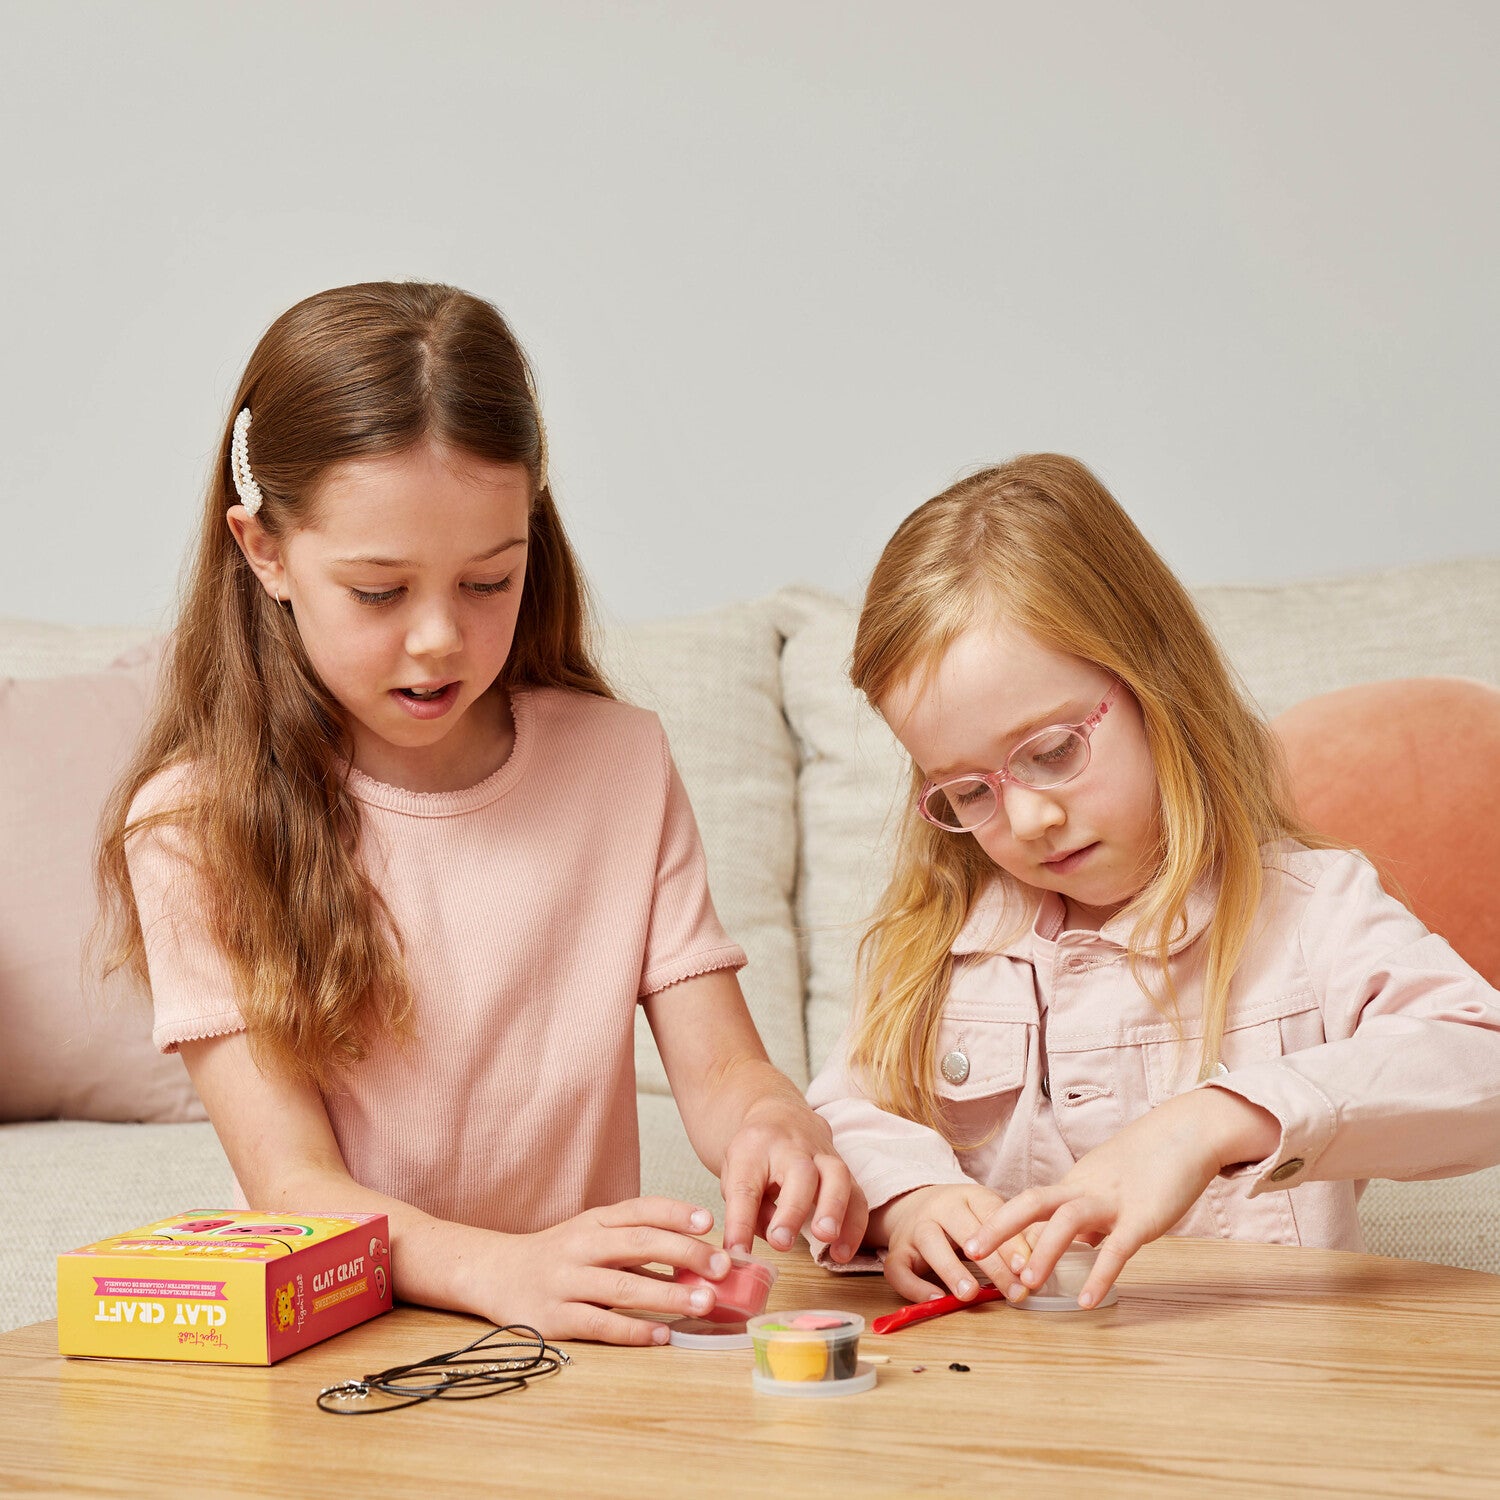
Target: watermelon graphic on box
x=230, y=1286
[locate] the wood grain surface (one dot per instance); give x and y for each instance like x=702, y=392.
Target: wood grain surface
x=1224, y=1370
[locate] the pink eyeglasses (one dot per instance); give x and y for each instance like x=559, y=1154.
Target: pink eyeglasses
x=1047, y=758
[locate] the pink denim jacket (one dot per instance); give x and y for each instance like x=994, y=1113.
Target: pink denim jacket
x=1375, y=1046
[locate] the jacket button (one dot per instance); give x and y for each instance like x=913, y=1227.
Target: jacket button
x=955, y=1067
x=1286, y=1169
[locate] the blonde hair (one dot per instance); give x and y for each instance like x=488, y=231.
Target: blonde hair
x=1041, y=543
x=267, y=819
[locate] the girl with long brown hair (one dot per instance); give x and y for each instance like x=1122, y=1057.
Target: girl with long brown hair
x=398, y=868
x=1114, y=988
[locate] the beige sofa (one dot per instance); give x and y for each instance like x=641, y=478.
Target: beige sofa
x=793, y=781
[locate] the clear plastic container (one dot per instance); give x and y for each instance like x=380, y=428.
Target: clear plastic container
x=1059, y=1292
x=741, y=1294
x=809, y=1352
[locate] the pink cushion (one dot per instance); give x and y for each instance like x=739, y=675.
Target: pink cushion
x=1409, y=772
x=63, y=740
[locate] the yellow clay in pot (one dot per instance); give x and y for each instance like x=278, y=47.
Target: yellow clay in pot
x=797, y=1359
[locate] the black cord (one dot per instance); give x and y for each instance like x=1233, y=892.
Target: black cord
x=449, y=1377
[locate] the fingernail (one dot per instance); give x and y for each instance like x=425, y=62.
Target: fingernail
x=1085, y=1299
x=660, y=1335
x=826, y=1228
x=701, y=1300
x=1029, y=1276
x=936, y=1295
x=718, y=1263
x=781, y=1237
x=972, y=1249
x=1014, y=1292
x=1016, y=1262
x=739, y=1248
x=966, y=1288
x=702, y=1220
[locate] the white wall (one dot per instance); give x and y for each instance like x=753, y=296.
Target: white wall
x=785, y=268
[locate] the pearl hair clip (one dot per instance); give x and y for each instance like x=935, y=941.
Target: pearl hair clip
x=542, y=455
x=239, y=464
x=250, y=492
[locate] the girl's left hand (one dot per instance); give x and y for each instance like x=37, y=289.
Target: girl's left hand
x=780, y=1170
x=1133, y=1188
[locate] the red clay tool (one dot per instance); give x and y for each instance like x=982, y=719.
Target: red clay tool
x=919, y=1312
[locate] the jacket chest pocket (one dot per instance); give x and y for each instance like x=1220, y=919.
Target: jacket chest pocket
x=981, y=1072
x=1261, y=1033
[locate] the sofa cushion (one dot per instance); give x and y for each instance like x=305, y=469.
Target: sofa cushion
x=715, y=681
x=68, y=1183
x=849, y=792
x=1293, y=641
x=1399, y=770
x=73, y=1049
x=1453, y=1221
x=34, y=648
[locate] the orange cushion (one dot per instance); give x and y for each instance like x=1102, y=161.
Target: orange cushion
x=1409, y=772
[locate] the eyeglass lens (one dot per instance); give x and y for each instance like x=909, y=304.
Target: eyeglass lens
x=1046, y=759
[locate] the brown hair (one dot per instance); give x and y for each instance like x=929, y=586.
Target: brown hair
x=270, y=827
x=1041, y=543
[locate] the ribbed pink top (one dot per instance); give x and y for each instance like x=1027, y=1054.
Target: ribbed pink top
x=537, y=908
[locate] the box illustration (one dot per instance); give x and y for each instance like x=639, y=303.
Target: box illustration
x=228, y=1286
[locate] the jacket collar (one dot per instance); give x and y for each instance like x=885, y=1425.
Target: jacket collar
x=1008, y=922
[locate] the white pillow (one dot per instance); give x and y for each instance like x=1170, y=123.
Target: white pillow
x=1294, y=641
x=854, y=776
x=715, y=681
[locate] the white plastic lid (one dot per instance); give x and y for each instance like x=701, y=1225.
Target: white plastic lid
x=825, y=1324
x=702, y=1333
x=862, y=1380
x=1059, y=1292
x=1040, y=1302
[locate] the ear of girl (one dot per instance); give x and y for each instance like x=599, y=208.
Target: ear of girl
x=389, y=909
x=1118, y=986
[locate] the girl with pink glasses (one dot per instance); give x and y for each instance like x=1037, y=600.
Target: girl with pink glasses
x=1114, y=989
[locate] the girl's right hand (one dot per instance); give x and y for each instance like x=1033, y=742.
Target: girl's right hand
x=922, y=1230
x=566, y=1281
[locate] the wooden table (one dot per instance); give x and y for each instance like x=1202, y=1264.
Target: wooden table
x=1224, y=1370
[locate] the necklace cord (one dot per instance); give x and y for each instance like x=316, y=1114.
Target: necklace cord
x=468, y=1374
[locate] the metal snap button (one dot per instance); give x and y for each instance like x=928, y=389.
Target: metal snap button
x=1220, y=1071
x=955, y=1067
x=1287, y=1169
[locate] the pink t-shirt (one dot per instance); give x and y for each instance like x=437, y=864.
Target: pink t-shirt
x=537, y=908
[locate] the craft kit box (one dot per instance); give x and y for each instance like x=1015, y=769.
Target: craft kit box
x=229, y=1286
